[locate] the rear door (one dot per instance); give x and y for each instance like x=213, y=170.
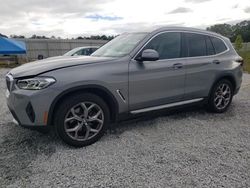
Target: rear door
x=199, y=65
x=154, y=83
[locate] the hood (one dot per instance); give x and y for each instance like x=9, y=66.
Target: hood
x=41, y=66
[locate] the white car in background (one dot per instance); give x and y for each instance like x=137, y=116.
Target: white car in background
x=86, y=50
x=79, y=51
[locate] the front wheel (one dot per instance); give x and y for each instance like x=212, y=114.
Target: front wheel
x=220, y=96
x=82, y=119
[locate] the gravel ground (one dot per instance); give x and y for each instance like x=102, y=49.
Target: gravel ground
x=191, y=148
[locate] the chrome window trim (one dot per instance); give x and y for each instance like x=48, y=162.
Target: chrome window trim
x=183, y=58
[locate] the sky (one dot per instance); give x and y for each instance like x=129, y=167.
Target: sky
x=72, y=18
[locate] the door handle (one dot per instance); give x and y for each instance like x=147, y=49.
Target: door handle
x=216, y=62
x=177, y=66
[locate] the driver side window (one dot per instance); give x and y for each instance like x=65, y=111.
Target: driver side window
x=168, y=45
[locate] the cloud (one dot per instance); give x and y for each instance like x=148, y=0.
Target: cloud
x=196, y=1
x=97, y=17
x=46, y=17
x=247, y=10
x=235, y=6
x=69, y=19
x=180, y=10
x=54, y=8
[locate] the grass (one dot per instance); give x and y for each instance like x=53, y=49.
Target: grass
x=246, y=56
x=5, y=65
x=10, y=64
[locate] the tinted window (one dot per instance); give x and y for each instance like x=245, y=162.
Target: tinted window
x=86, y=51
x=210, y=48
x=196, y=44
x=218, y=44
x=168, y=45
x=93, y=49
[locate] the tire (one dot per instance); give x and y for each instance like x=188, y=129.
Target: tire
x=85, y=113
x=216, y=95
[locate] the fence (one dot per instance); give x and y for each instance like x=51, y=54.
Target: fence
x=54, y=47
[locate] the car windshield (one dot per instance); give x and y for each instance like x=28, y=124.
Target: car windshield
x=120, y=46
x=71, y=52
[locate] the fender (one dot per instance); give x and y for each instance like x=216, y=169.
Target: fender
x=228, y=76
x=114, y=102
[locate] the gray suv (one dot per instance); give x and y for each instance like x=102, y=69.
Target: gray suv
x=132, y=74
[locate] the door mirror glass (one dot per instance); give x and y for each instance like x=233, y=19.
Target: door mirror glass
x=149, y=55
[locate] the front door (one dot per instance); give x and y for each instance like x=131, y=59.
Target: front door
x=155, y=83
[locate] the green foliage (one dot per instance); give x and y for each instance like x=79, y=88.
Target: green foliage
x=238, y=42
x=97, y=37
x=223, y=29
x=246, y=56
x=232, y=31
x=17, y=36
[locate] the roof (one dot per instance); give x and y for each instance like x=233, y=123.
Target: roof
x=187, y=29
x=175, y=28
x=11, y=46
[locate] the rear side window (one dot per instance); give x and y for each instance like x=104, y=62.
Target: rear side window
x=218, y=44
x=168, y=45
x=210, y=48
x=196, y=44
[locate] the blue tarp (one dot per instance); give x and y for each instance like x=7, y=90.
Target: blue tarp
x=11, y=46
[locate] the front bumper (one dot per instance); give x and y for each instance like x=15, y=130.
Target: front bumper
x=30, y=108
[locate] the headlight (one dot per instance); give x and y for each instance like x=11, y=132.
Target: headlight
x=35, y=83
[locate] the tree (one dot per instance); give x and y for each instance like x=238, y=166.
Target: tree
x=17, y=36
x=223, y=29
x=243, y=29
x=232, y=31
x=38, y=37
x=238, y=42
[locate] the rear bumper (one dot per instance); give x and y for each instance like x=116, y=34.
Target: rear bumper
x=236, y=90
x=238, y=76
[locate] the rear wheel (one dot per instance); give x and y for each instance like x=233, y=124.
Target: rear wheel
x=82, y=119
x=221, y=96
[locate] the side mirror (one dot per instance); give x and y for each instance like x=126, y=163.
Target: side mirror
x=149, y=55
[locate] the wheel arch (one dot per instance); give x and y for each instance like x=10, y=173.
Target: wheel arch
x=100, y=91
x=228, y=77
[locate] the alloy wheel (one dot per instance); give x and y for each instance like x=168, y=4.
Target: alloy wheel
x=222, y=96
x=84, y=121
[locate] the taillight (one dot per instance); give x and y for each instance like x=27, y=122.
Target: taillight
x=240, y=60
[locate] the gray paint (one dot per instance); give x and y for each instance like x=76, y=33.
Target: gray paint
x=144, y=85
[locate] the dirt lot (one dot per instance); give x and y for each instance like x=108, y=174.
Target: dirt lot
x=191, y=148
